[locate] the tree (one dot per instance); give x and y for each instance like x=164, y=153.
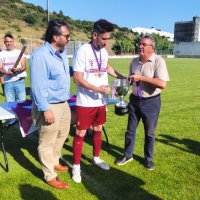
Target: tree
x=123, y=46
x=30, y=19
x=40, y=9
x=23, y=41
x=163, y=45
x=60, y=14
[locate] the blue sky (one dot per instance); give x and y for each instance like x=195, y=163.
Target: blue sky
x=160, y=14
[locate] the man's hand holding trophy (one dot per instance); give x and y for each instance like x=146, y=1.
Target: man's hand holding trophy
x=121, y=88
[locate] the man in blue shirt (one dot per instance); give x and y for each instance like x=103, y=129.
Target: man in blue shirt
x=50, y=87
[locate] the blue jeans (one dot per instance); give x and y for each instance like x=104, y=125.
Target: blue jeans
x=148, y=110
x=15, y=91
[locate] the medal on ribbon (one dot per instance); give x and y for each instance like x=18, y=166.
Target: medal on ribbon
x=98, y=61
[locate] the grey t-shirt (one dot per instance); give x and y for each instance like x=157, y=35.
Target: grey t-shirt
x=155, y=67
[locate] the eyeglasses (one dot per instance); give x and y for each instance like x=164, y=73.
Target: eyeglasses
x=143, y=44
x=66, y=36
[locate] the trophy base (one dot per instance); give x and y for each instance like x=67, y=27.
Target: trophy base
x=121, y=110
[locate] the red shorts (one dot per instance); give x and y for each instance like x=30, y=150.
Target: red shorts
x=87, y=116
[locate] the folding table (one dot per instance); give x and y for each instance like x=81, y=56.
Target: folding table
x=5, y=114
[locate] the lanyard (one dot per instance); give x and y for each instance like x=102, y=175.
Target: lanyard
x=98, y=62
x=139, y=91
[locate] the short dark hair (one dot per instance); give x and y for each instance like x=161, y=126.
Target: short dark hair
x=8, y=35
x=54, y=29
x=103, y=26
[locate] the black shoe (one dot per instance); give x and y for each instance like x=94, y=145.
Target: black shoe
x=123, y=160
x=149, y=165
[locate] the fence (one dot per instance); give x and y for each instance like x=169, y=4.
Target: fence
x=72, y=46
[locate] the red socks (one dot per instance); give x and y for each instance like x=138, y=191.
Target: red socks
x=78, y=146
x=77, y=149
x=97, y=142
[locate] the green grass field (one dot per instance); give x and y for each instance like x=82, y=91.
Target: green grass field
x=177, y=151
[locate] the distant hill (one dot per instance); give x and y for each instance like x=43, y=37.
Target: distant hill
x=28, y=22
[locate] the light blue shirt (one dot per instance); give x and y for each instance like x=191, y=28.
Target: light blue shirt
x=49, y=75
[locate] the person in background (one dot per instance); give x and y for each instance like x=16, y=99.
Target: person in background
x=2, y=82
x=2, y=72
x=91, y=69
x=149, y=76
x=13, y=79
x=1, y=76
x=50, y=87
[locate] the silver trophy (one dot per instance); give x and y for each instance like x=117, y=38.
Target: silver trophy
x=121, y=88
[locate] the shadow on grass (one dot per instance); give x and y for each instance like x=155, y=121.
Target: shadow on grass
x=192, y=145
x=112, y=149
x=111, y=184
x=15, y=146
x=29, y=192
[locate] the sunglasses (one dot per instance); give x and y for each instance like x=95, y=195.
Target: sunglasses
x=66, y=36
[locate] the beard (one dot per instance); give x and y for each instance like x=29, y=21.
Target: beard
x=101, y=46
x=61, y=46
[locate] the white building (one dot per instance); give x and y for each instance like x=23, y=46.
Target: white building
x=151, y=30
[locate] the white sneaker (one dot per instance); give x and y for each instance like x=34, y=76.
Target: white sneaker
x=101, y=163
x=76, y=175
